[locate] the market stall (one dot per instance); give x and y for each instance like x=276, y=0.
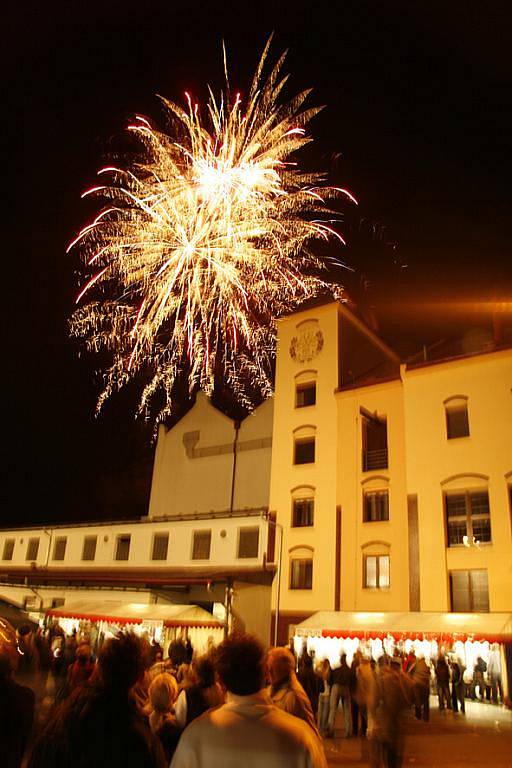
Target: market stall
x=163, y=622
x=467, y=635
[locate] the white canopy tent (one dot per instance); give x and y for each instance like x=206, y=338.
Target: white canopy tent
x=468, y=635
x=161, y=620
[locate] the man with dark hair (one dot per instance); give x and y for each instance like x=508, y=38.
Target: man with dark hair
x=248, y=730
x=99, y=724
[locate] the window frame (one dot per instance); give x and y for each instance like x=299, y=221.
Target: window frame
x=90, y=538
x=471, y=591
x=453, y=409
x=311, y=513
x=377, y=556
x=375, y=492
x=34, y=541
x=119, y=538
x=306, y=583
x=195, y=534
x=160, y=535
x=244, y=530
x=469, y=518
x=8, y=543
x=301, y=441
x=60, y=542
x=303, y=387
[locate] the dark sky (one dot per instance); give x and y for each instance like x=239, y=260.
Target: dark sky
x=418, y=112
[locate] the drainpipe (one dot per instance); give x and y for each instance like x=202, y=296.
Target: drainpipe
x=235, y=441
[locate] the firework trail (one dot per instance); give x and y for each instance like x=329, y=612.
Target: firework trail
x=202, y=243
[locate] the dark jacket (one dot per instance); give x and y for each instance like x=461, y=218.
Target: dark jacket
x=16, y=718
x=97, y=727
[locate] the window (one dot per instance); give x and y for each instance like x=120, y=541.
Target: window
x=29, y=603
x=303, y=512
x=457, y=422
x=32, y=549
x=201, y=545
x=59, y=548
x=376, y=571
x=376, y=506
x=469, y=591
x=160, y=546
x=89, y=548
x=57, y=602
x=468, y=518
x=8, y=549
x=375, y=442
x=248, y=542
x=304, y=450
x=301, y=573
x=123, y=547
x=305, y=394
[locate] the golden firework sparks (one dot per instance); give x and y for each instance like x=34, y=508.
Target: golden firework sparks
x=202, y=243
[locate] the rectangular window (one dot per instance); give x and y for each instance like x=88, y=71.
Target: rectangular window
x=304, y=451
x=469, y=591
x=305, y=394
x=301, y=574
x=123, y=547
x=8, y=549
x=89, y=547
x=248, y=542
x=457, y=422
x=57, y=602
x=160, y=546
x=29, y=603
x=375, y=443
x=201, y=545
x=59, y=548
x=468, y=518
x=303, y=512
x=376, y=506
x=376, y=571
x=32, y=549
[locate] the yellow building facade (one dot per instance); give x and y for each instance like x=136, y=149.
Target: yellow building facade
x=390, y=482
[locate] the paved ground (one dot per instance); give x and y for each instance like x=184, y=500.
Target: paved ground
x=483, y=737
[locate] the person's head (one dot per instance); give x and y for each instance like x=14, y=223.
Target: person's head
x=83, y=653
x=240, y=664
x=121, y=662
x=204, y=671
x=280, y=665
x=163, y=692
x=343, y=659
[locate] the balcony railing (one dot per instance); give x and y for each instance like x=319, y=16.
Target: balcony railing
x=377, y=459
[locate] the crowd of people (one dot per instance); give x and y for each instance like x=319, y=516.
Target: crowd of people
x=63, y=704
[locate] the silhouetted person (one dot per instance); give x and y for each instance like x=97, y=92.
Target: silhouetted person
x=17, y=703
x=199, y=696
x=99, y=724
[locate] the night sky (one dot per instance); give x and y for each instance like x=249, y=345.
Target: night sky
x=417, y=125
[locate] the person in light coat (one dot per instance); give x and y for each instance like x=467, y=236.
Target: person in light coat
x=248, y=730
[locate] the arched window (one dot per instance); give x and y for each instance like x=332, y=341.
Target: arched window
x=376, y=565
x=305, y=388
x=457, y=419
x=467, y=510
x=303, y=506
x=375, y=499
x=304, y=444
x=301, y=567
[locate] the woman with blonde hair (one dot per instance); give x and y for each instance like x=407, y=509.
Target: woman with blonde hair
x=163, y=692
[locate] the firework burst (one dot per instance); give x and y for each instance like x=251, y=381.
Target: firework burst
x=201, y=243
